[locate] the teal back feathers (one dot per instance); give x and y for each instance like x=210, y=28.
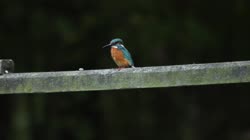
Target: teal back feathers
x=125, y=53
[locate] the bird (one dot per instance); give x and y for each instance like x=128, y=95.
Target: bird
x=120, y=54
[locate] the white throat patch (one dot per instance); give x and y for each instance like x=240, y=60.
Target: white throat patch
x=114, y=47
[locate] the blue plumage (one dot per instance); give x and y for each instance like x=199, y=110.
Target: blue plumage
x=126, y=54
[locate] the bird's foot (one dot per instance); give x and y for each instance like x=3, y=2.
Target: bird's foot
x=119, y=69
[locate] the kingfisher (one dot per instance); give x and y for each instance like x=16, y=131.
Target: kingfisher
x=120, y=54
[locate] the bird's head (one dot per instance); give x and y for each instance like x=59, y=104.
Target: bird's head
x=114, y=42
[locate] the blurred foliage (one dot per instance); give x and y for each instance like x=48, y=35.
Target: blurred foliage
x=46, y=35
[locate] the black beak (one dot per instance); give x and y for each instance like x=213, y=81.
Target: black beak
x=106, y=45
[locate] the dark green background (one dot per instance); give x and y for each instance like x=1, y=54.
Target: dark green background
x=47, y=35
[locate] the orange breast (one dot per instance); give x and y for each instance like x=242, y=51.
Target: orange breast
x=118, y=57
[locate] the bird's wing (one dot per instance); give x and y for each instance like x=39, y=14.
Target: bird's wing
x=127, y=55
